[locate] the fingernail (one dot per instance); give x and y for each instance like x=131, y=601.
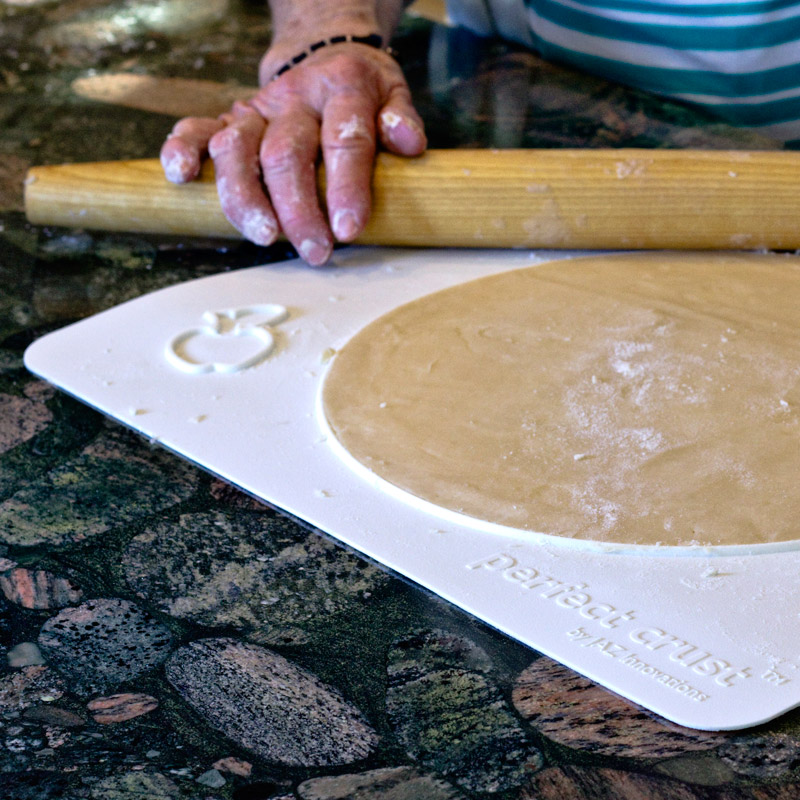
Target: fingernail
x=259, y=228
x=391, y=119
x=345, y=225
x=177, y=168
x=314, y=252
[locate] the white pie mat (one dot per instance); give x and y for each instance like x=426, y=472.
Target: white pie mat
x=709, y=639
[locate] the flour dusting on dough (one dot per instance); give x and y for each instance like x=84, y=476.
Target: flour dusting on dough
x=637, y=399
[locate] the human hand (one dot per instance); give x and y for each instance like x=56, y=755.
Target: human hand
x=342, y=100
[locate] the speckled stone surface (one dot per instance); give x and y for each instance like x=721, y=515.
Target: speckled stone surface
x=113, y=481
x=429, y=651
x=269, y=705
x=120, y=707
x=400, y=783
x=576, y=713
x=153, y=786
x=38, y=589
x=767, y=756
x=445, y=714
x=103, y=643
x=117, y=558
x=27, y=687
x=704, y=769
x=20, y=420
x=253, y=571
x=580, y=783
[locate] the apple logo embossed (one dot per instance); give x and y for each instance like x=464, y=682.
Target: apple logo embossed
x=228, y=341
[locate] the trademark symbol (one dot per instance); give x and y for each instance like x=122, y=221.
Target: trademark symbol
x=771, y=676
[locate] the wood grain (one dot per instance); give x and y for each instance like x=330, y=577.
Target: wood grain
x=587, y=199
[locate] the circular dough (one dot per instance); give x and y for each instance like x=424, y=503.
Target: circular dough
x=634, y=399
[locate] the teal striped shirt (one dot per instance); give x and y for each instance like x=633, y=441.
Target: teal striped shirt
x=740, y=60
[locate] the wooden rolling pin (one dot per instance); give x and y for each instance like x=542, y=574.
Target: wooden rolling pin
x=583, y=199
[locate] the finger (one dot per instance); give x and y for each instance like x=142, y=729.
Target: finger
x=241, y=192
x=401, y=128
x=348, y=147
x=288, y=161
x=186, y=146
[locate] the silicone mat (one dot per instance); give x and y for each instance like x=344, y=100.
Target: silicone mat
x=226, y=371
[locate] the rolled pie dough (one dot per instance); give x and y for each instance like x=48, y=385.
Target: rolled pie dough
x=634, y=399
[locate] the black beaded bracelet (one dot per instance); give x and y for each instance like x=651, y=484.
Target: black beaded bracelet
x=372, y=40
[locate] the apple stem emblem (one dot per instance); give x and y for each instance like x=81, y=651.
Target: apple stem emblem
x=229, y=341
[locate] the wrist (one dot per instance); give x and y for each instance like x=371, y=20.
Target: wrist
x=373, y=40
x=297, y=23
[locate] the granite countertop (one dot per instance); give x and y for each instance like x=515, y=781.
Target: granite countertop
x=162, y=635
